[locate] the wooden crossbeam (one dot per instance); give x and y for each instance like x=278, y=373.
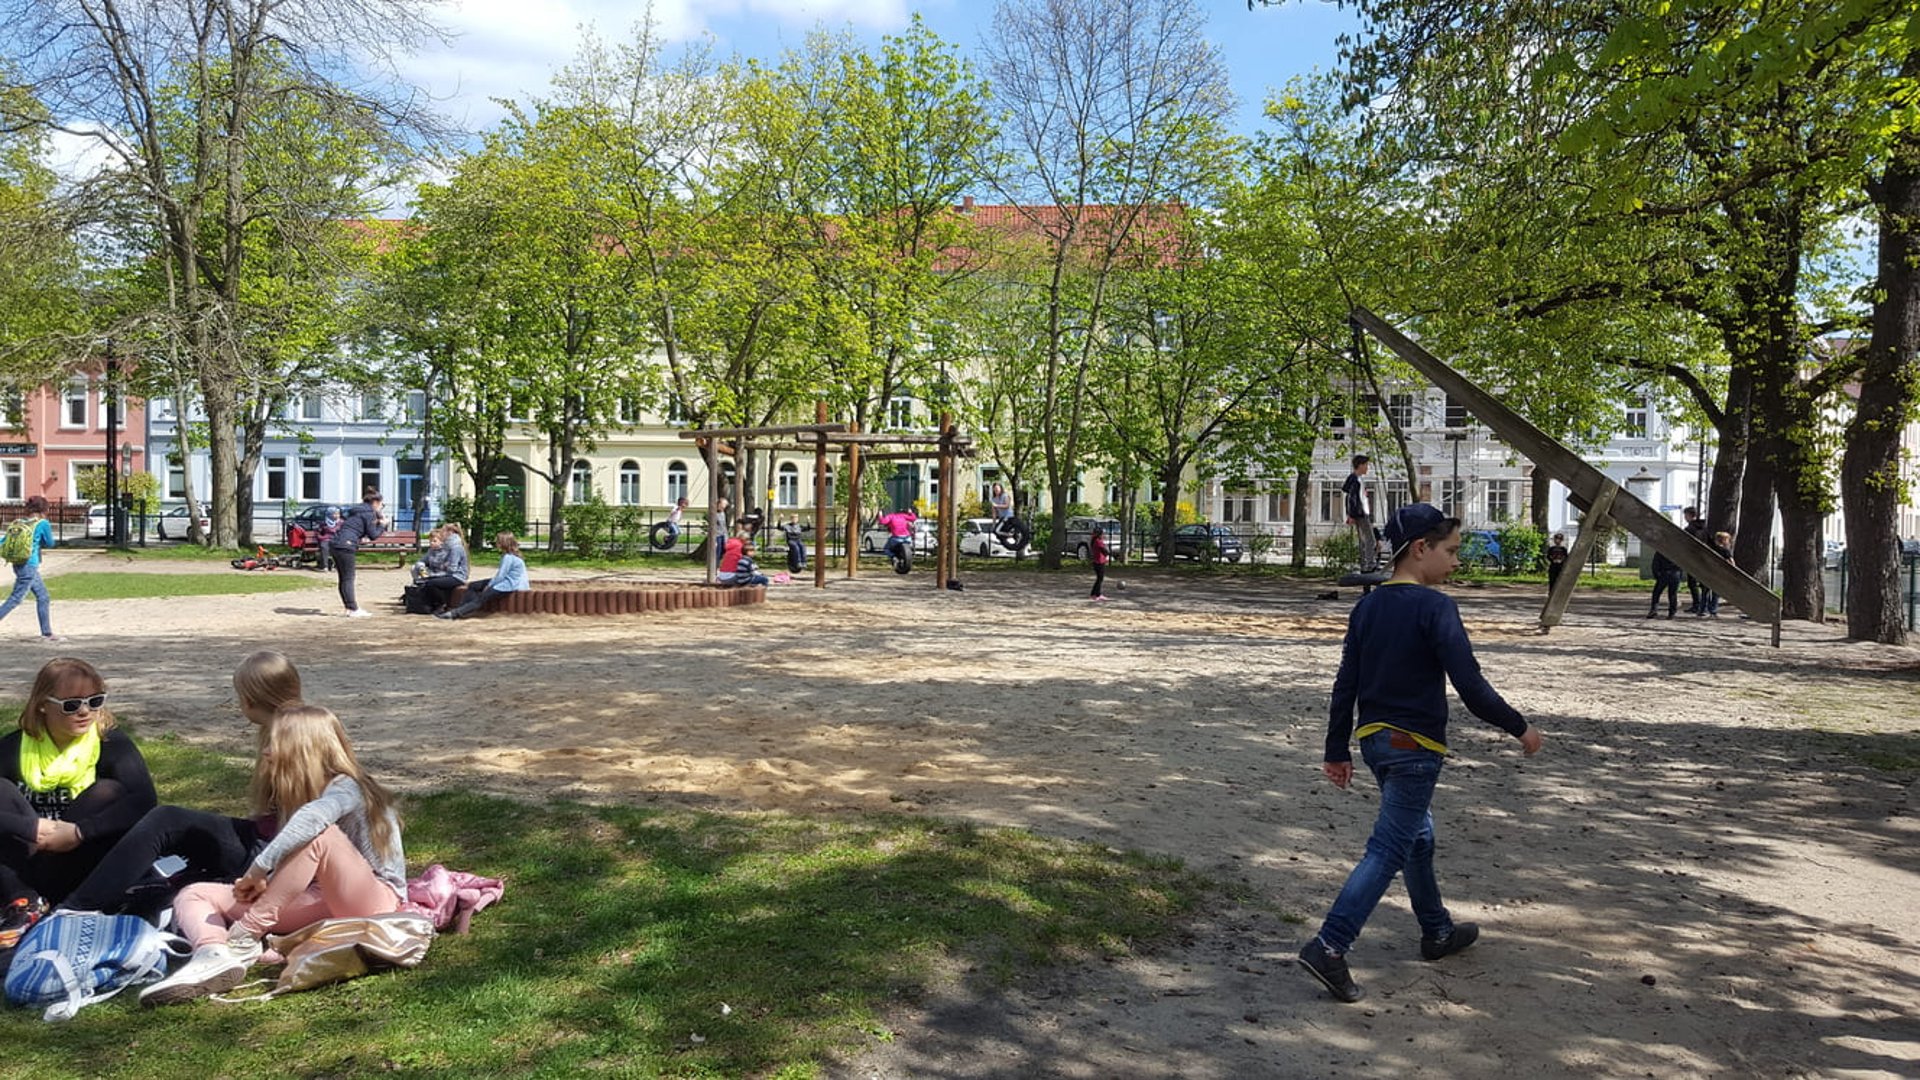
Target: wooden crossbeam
x=1588, y=484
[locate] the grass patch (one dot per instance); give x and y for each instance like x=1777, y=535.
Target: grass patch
x=625, y=931
x=119, y=586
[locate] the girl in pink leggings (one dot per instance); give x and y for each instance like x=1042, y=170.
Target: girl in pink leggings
x=337, y=853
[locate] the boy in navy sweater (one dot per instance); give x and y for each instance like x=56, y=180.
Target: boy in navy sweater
x=1404, y=641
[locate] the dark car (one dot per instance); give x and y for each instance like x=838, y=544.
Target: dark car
x=1207, y=541
x=309, y=518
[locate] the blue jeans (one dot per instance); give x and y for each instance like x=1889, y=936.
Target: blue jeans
x=1402, y=843
x=26, y=578
x=897, y=549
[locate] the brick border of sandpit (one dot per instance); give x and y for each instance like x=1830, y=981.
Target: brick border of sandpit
x=574, y=598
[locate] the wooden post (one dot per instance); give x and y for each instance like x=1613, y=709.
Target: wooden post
x=947, y=536
x=820, y=498
x=710, y=450
x=1562, y=592
x=853, y=504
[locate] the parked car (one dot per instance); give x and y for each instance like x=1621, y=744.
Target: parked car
x=1480, y=548
x=309, y=518
x=873, y=539
x=1080, y=536
x=1200, y=541
x=97, y=522
x=977, y=538
x=173, y=524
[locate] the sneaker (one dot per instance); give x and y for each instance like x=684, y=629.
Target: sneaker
x=1331, y=970
x=359, y=613
x=18, y=917
x=212, y=969
x=52, y=639
x=1462, y=935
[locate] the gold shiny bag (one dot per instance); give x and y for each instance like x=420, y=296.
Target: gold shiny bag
x=334, y=950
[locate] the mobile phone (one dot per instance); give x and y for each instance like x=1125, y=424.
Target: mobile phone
x=168, y=865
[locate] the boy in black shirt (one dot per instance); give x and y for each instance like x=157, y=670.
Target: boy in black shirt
x=1404, y=642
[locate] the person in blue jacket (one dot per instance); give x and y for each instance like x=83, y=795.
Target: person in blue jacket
x=510, y=578
x=1404, y=643
x=26, y=575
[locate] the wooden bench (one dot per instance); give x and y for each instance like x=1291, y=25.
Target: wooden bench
x=403, y=542
x=587, y=598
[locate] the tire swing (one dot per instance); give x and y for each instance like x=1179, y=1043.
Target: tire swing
x=1015, y=535
x=661, y=537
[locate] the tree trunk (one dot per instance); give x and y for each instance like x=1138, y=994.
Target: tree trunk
x=1753, y=528
x=1734, y=435
x=1302, y=488
x=1169, y=506
x=1870, y=471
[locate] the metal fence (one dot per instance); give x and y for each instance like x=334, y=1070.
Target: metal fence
x=1910, y=586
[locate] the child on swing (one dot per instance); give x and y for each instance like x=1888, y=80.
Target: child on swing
x=337, y=853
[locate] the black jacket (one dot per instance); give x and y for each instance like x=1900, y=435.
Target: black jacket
x=120, y=761
x=355, y=525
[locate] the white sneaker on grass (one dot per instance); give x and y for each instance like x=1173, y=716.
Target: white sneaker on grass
x=211, y=969
x=359, y=613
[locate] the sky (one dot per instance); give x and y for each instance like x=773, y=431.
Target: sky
x=511, y=48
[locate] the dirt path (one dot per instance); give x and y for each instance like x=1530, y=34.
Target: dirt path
x=1711, y=870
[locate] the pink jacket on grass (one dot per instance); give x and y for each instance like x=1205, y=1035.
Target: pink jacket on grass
x=451, y=897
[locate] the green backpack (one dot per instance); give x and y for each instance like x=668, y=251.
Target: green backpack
x=17, y=548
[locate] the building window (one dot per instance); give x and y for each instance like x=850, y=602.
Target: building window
x=1457, y=412
x=629, y=483
x=829, y=485
x=900, y=413
x=1333, y=502
x=1389, y=497
x=1278, y=507
x=163, y=410
x=582, y=487
x=676, y=481
x=310, y=478
x=77, y=478
x=626, y=410
x=1116, y=494
x=12, y=481
x=1453, y=498
x=676, y=409
x=276, y=479
x=13, y=408
x=1337, y=421
x=787, y=486
x=369, y=475
x=1236, y=506
x=176, y=477
x=1499, y=501
x=1400, y=410
x=416, y=406
x=1636, y=419
x=371, y=407
x=73, y=405
x=310, y=406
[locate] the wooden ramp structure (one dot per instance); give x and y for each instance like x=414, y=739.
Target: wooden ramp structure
x=1591, y=489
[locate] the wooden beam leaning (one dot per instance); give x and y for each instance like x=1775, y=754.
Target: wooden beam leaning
x=1585, y=481
x=741, y=433
x=1562, y=592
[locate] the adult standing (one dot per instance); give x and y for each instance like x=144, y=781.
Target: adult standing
x=363, y=522
x=1696, y=527
x=26, y=575
x=1360, y=513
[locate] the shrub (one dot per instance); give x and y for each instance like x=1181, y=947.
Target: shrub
x=1339, y=551
x=1521, y=548
x=589, y=526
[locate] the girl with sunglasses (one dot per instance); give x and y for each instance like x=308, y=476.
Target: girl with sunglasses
x=214, y=847
x=73, y=786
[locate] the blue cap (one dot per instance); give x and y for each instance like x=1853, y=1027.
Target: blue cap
x=1410, y=523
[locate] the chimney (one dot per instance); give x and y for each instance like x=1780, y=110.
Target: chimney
x=966, y=204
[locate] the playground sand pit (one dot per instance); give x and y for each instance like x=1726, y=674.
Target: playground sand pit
x=1711, y=870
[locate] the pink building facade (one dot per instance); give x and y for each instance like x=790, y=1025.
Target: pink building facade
x=53, y=434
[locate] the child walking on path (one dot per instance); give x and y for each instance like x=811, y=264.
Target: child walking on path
x=1100, y=559
x=215, y=847
x=337, y=854
x=26, y=574
x=1404, y=640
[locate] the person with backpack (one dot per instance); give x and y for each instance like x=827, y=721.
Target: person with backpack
x=363, y=522
x=22, y=547
x=70, y=786
x=336, y=853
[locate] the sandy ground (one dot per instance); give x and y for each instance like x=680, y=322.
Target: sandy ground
x=1705, y=873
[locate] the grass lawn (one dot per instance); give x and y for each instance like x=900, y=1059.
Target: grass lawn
x=118, y=586
x=642, y=943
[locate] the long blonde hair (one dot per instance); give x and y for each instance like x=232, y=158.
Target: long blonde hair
x=269, y=680
x=306, y=749
x=46, y=684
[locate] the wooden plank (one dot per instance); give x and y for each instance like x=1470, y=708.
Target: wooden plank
x=1562, y=592
x=1585, y=481
x=756, y=432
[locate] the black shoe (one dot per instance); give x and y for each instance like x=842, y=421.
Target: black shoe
x=18, y=917
x=1649, y=614
x=445, y=615
x=1331, y=970
x=1463, y=935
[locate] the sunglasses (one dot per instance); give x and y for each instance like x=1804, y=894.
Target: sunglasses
x=72, y=705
